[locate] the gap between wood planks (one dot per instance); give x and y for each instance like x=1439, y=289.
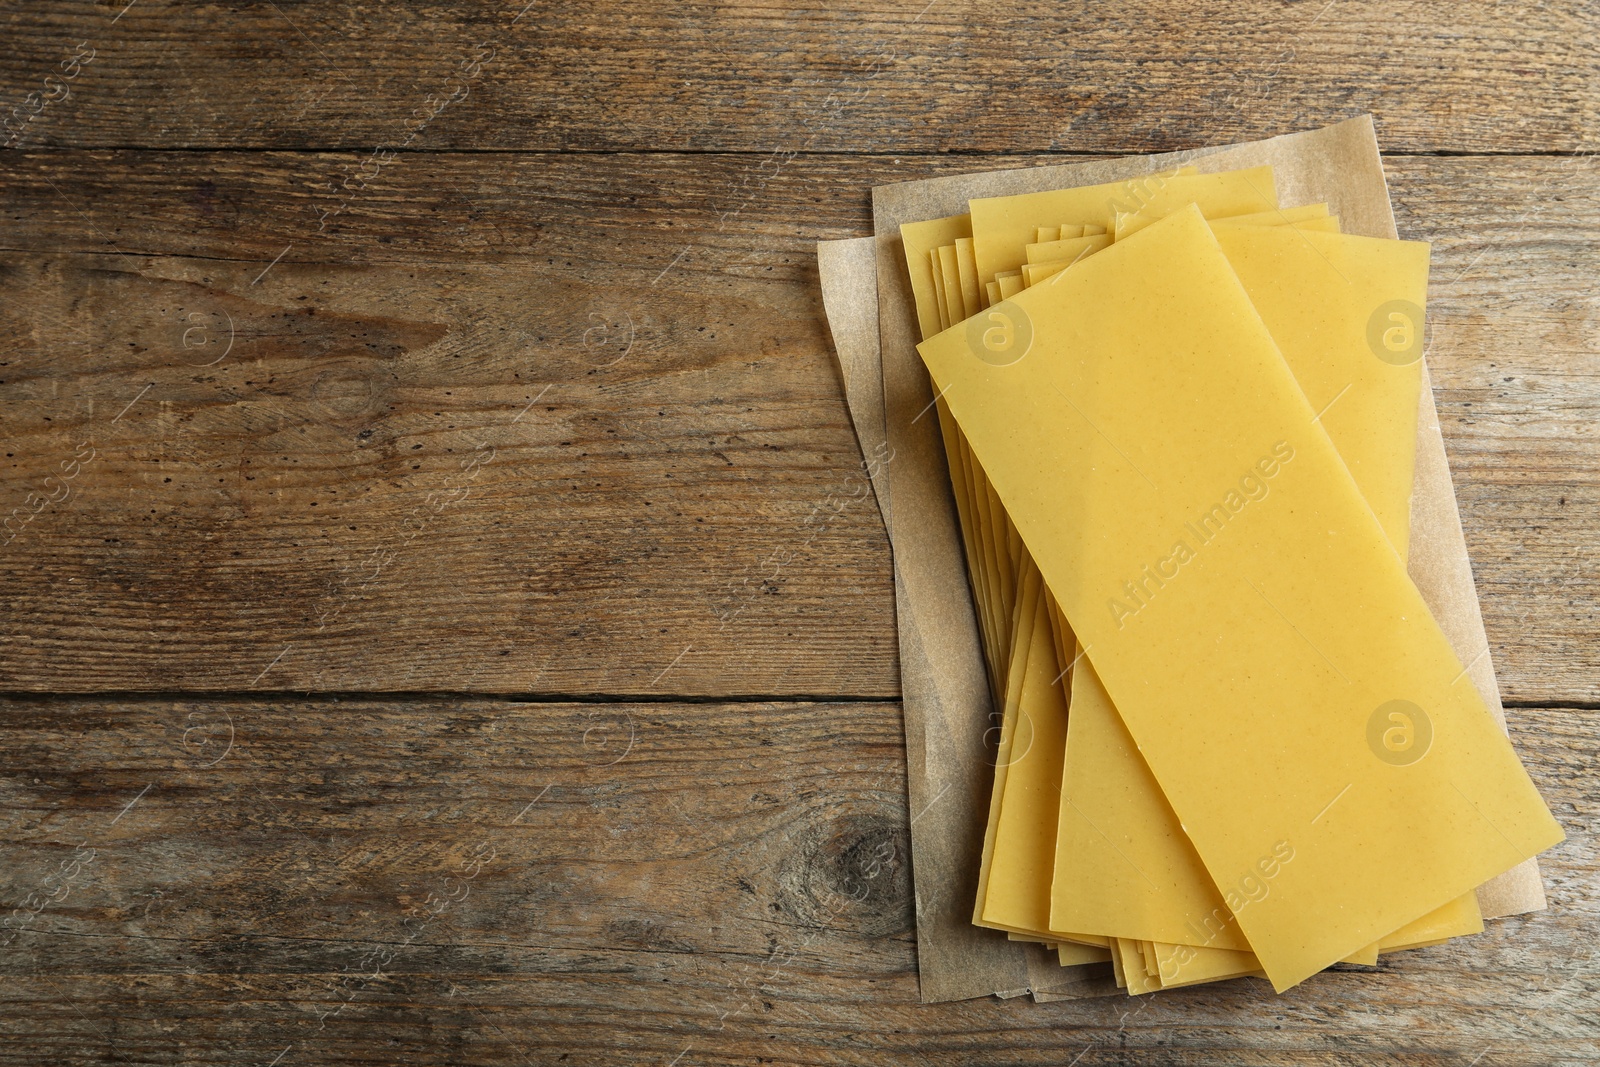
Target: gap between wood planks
x=444, y=696
x=274, y=696
x=975, y=153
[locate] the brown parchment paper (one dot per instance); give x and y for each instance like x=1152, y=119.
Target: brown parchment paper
x=941, y=825
x=944, y=694
x=849, y=277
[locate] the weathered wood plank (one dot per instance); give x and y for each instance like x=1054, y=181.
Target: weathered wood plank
x=1515, y=352
x=902, y=77
x=401, y=882
x=697, y=490
x=539, y=470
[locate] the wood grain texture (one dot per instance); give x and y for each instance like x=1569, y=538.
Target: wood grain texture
x=1515, y=352
x=687, y=478
x=479, y=882
x=507, y=375
x=554, y=467
x=908, y=76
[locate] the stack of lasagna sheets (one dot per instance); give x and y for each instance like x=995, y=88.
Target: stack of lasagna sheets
x=1180, y=420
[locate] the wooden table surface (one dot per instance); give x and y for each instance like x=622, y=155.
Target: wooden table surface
x=424, y=641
